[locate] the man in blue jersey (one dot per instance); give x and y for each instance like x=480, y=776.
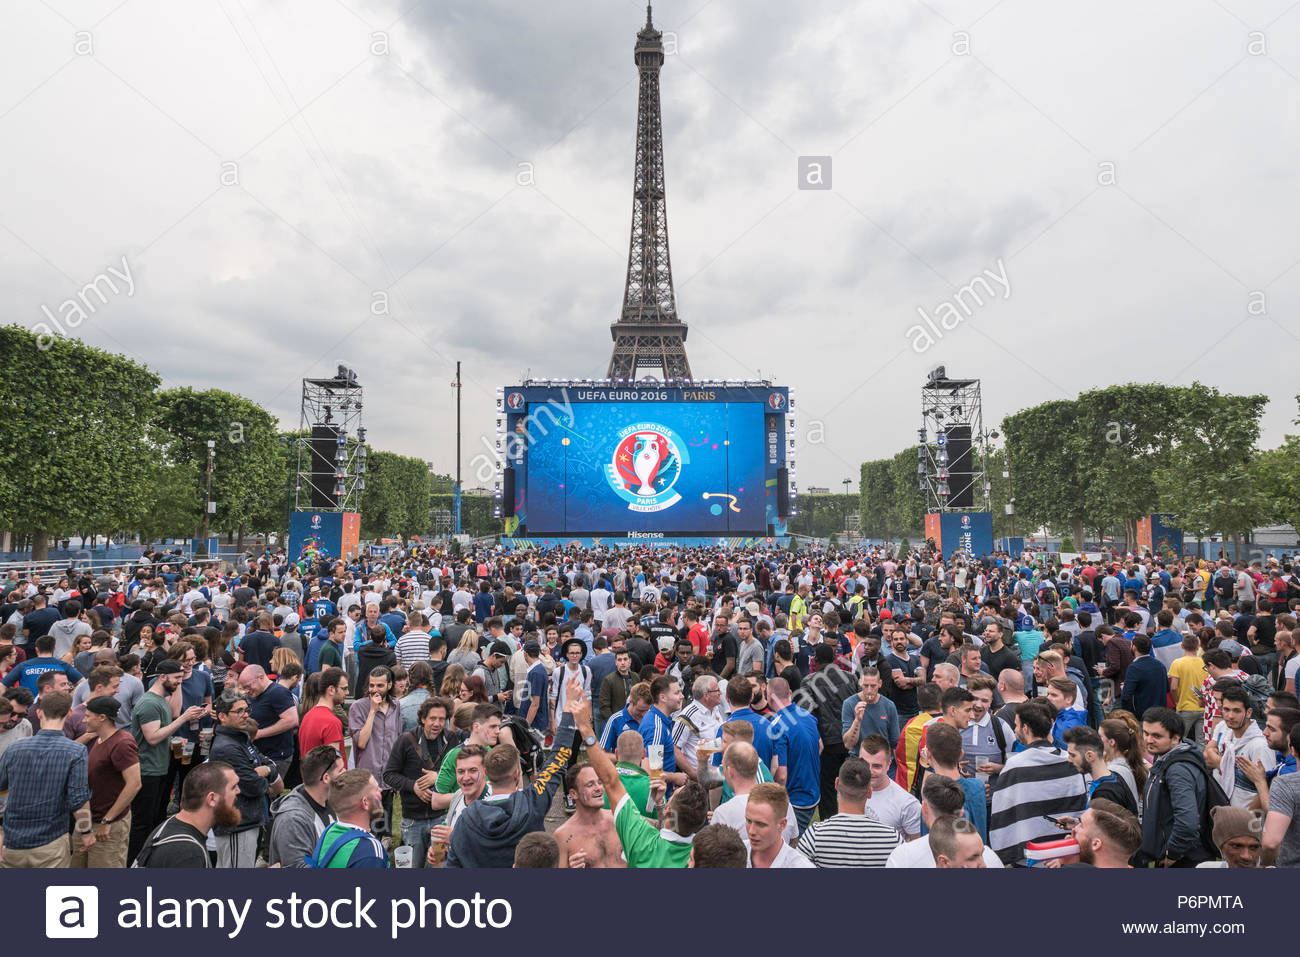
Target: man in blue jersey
x=657, y=727
x=740, y=694
x=798, y=752
x=29, y=672
x=629, y=718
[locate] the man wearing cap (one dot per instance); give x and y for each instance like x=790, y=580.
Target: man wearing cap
x=573, y=651
x=152, y=725
x=533, y=702
x=1236, y=834
x=113, y=772
x=492, y=670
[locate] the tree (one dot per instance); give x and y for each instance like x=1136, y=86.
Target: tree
x=1047, y=465
x=72, y=446
x=397, y=498
x=249, y=456
x=875, y=499
x=1213, y=482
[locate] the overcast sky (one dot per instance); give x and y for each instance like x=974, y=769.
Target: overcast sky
x=377, y=150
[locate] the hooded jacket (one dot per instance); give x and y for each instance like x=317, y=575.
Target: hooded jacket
x=236, y=749
x=295, y=829
x=65, y=632
x=1173, y=808
x=488, y=830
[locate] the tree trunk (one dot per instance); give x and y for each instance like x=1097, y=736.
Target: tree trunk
x=40, y=545
x=239, y=539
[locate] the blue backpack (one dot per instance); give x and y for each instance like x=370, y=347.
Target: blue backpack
x=317, y=859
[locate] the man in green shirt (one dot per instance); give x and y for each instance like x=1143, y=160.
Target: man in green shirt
x=355, y=798
x=484, y=730
x=644, y=845
x=628, y=752
x=153, y=723
x=331, y=653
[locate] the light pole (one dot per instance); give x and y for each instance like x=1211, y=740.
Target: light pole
x=209, y=506
x=846, y=483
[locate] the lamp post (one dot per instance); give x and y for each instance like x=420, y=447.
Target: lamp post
x=846, y=483
x=209, y=506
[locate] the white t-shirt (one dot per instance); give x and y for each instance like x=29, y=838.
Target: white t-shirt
x=1292, y=667
x=787, y=857
x=897, y=808
x=732, y=814
x=917, y=854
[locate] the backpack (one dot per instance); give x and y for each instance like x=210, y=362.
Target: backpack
x=316, y=859
x=1259, y=688
x=153, y=841
x=1214, y=796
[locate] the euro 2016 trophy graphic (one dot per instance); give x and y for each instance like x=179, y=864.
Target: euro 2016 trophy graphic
x=650, y=453
x=645, y=467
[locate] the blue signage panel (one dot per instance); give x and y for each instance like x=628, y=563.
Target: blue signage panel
x=969, y=532
x=313, y=534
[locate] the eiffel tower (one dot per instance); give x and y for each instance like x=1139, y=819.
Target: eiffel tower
x=648, y=334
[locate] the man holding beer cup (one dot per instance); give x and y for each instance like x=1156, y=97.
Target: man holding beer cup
x=233, y=744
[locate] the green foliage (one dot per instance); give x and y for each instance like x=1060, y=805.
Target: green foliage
x=73, y=452
x=1212, y=482
x=475, y=513
x=396, y=500
x=822, y=515
x=249, y=463
x=1048, y=465
x=891, y=502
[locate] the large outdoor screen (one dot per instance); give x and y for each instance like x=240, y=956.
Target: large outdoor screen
x=669, y=467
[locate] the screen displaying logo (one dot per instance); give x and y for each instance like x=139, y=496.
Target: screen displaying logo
x=645, y=466
x=776, y=401
x=515, y=401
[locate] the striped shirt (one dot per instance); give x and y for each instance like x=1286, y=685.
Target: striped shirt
x=692, y=724
x=1037, y=781
x=849, y=840
x=412, y=647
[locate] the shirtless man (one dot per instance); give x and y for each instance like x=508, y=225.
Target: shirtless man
x=588, y=839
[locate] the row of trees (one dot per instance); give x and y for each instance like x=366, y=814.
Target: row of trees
x=891, y=504
x=89, y=444
x=1110, y=456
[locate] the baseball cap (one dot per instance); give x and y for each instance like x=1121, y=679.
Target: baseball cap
x=667, y=643
x=500, y=648
x=532, y=648
x=1233, y=648
x=291, y=620
x=169, y=666
x=106, y=705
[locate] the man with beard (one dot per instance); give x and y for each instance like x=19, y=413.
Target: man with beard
x=588, y=839
x=348, y=842
x=232, y=743
x=207, y=801
x=1108, y=835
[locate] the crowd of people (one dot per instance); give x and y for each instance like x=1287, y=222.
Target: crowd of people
x=652, y=708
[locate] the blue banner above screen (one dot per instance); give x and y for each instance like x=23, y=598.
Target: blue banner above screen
x=664, y=467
